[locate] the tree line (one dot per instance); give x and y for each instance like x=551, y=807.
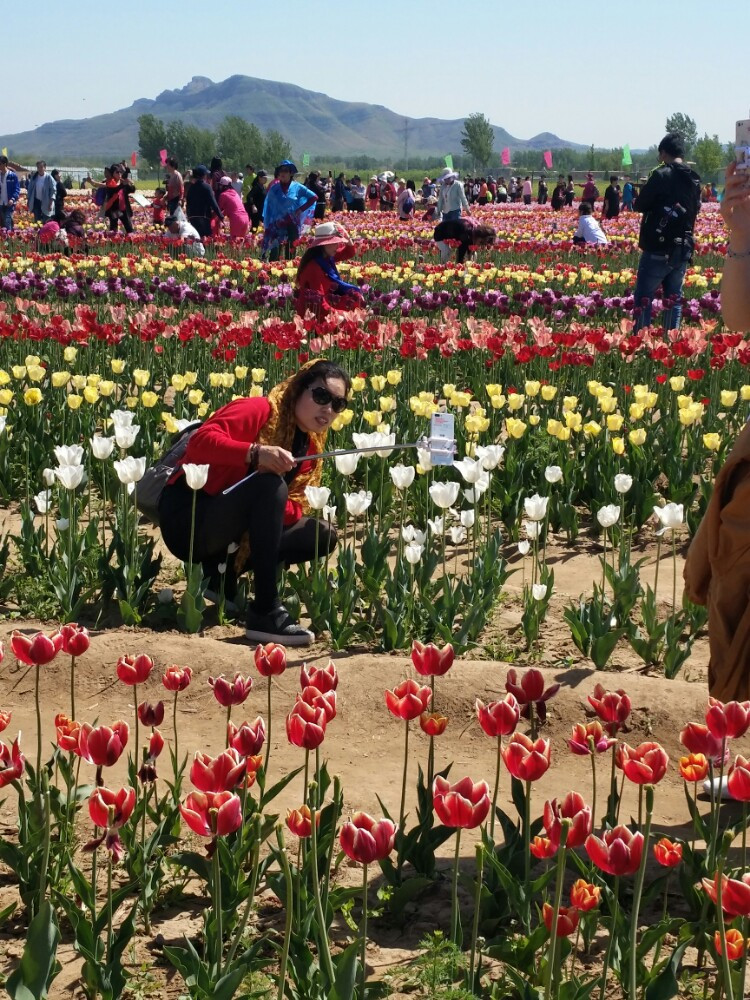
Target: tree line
x=235, y=140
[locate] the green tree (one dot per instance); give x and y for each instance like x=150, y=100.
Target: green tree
x=709, y=155
x=151, y=138
x=683, y=125
x=239, y=142
x=276, y=148
x=478, y=139
x=189, y=143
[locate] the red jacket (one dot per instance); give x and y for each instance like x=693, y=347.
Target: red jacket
x=222, y=443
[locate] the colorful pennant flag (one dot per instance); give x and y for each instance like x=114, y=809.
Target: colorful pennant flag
x=449, y=161
x=627, y=159
x=305, y=159
x=133, y=159
x=5, y=150
x=548, y=159
x=163, y=157
x=505, y=157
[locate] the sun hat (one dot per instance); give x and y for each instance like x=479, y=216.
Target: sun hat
x=200, y=171
x=287, y=165
x=448, y=175
x=329, y=234
x=225, y=181
x=374, y=177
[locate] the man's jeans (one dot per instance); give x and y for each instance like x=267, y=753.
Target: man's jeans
x=6, y=217
x=667, y=270
x=36, y=208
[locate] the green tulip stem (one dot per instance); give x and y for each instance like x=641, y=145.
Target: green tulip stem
x=268, y=732
x=363, y=953
x=726, y=972
x=559, y=879
x=497, y=787
x=479, y=848
x=289, y=910
x=325, y=952
x=219, y=943
x=612, y=935
x=637, y=893
x=454, y=889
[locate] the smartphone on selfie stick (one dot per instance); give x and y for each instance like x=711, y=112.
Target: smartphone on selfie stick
x=742, y=145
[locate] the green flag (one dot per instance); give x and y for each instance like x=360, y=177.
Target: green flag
x=449, y=161
x=627, y=159
x=305, y=159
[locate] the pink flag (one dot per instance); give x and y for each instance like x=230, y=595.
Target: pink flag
x=133, y=159
x=548, y=159
x=505, y=157
x=163, y=156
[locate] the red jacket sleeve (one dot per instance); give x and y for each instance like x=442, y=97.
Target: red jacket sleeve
x=227, y=434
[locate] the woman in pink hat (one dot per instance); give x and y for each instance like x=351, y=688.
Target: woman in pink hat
x=233, y=210
x=319, y=285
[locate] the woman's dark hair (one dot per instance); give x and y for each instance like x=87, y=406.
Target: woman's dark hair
x=312, y=253
x=215, y=164
x=483, y=234
x=172, y=161
x=77, y=216
x=320, y=371
x=570, y=177
x=585, y=208
x=116, y=168
x=410, y=185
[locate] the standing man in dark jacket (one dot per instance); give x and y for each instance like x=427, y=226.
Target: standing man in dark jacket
x=670, y=201
x=200, y=202
x=60, y=193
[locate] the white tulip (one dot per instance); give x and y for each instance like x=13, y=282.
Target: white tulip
x=3, y=422
x=362, y=439
x=457, y=534
x=130, y=470
x=232, y=547
x=474, y=493
x=411, y=534
x=532, y=529
x=424, y=458
x=196, y=476
x=346, y=464
x=125, y=436
x=69, y=454
x=165, y=595
x=384, y=439
x=182, y=424
x=623, y=482
x=122, y=418
x=670, y=516
x=608, y=515
x=536, y=507
x=413, y=553
x=524, y=547
x=102, y=447
x=403, y=476
x=491, y=455
x=357, y=503
x=444, y=495
x=43, y=501
x=467, y=518
x=62, y=523
x=70, y=476
x=471, y=469
x=317, y=496
x=48, y=477
x=553, y=474
x=436, y=525
x=329, y=514
x=222, y=568
x=539, y=591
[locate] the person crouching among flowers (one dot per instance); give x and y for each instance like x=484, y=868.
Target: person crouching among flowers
x=319, y=285
x=270, y=437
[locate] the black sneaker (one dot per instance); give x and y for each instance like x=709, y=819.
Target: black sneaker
x=276, y=626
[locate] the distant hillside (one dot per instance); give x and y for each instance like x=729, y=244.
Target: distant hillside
x=312, y=122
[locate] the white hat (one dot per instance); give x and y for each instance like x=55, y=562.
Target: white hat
x=448, y=175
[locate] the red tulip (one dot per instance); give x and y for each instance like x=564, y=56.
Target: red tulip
x=134, y=669
x=76, y=639
x=463, y=804
x=697, y=739
x=231, y=692
x=217, y=774
x=306, y=726
x=738, y=779
x=526, y=759
x=542, y=847
x=323, y=678
x=433, y=723
x=735, y=894
x=12, y=762
x=151, y=715
x=326, y=701
x=498, y=718
x=617, y=852
x=408, y=700
x=567, y=920
x=177, y=678
x=270, y=659
x=584, y=895
x=694, y=767
x=299, y=821
x=612, y=707
x=68, y=733
x=109, y=809
x=248, y=738
x=727, y=721
x=588, y=738
x=429, y=661
x=103, y=745
x=36, y=649
x=667, y=852
x=572, y=808
x=735, y=943
x=5, y=718
x=155, y=745
x=530, y=690
x=212, y=814
x=645, y=764
x=365, y=840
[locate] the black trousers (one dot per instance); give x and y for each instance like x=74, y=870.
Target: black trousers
x=256, y=507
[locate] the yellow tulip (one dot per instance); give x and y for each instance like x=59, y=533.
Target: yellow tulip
x=745, y=393
x=190, y=378
x=549, y=392
x=637, y=436
x=515, y=428
x=93, y=379
x=614, y=421
x=476, y=424
x=70, y=354
x=214, y=379
x=531, y=387
x=372, y=417
x=378, y=382
x=618, y=446
x=169, y=422
x=592, y=429
x=202, y=410
x=6, y=396
x=427, y=397
x=74, y=400
x=117, y=365
x=227, y=380
x=563, y=434
x=195, y=396
x=36, y=373
x=32, y=396
x=131, y=402
x=149, y=399
x=448, y=389
x=677, y=383
x=4, y=377
x=553, y=427
x=636, y=412
x=516, y=401
x=257, y=374
x=91, y=394
x=728, y=397
x=493, y=389
x=712, y=441
x=497, y=401
x=19, y=371
x=179, y=383
x=684, y=401
x=240, y=371
x=607, y=404
x=388, y=404
x=394, y=376
x=358, y=384
x=59, y=379
x=593, y=386
x=570, y=403
x=32, y=360
x=106, y=387
x=534, y=419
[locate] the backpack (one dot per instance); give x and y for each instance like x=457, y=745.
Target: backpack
x=100, y=196
x=671, y=225
x=156, y=477
x=408, y=204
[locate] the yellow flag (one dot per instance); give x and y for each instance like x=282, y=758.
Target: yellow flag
x=5, y=150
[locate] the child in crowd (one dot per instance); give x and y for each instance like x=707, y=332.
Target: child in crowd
x=159, y=207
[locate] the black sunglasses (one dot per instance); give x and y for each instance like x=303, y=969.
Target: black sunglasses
x=323, y=397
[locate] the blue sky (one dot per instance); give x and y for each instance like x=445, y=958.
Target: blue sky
x=579, y=70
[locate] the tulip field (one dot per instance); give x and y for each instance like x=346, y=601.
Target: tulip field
x=503, y=727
